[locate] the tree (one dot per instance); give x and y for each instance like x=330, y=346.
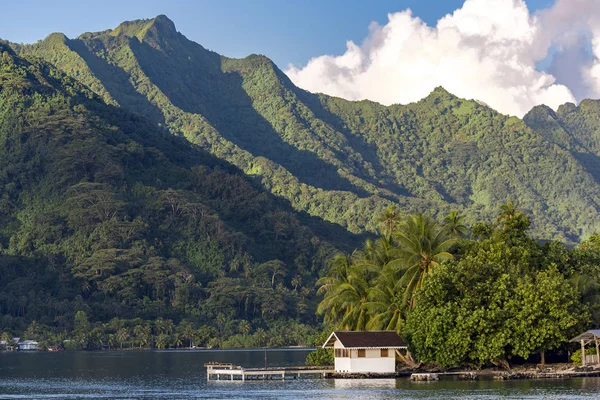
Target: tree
x=244, y=327
x=122, y=336
x=454, y=225
x=32, y=330
x=495, y=303
x=589, y=291
x=422, y=247
x=162, y=341
x=346, y=299
x=388, y=219
x=547, y=313
x=142, y=334
x=188, y=331
x=177, y=340
x=386, y=305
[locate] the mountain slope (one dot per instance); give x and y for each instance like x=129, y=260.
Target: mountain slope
x=337, y=160
x=103, y=212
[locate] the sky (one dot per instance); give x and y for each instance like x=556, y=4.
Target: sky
x=511, y=54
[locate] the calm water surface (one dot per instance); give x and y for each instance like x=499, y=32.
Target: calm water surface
x=181, y=375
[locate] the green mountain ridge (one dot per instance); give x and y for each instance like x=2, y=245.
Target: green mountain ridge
x=103, y=212
x=339, y=160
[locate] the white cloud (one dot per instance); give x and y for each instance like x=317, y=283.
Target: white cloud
x=487, y=50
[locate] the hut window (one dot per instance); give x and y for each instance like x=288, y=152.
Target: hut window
x=341, y=353
x=384, y=352
x=361, y=352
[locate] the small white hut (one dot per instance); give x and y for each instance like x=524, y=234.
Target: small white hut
x=28, y=345
x=365, y=351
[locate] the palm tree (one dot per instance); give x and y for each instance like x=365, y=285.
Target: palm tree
x=244, y=327
x=454, y=225
x=375, y=255
x=32, y=330
x=346, y=296
x=422, y=247
x=122, y=336
x=589, y=290
x=112, y=340
x=388, y=220
x=159, y=326
x=162, y=341
x=508, y=211
x=177, y=340
x=141, y=333
x=188, y=332
x=339, y=269
x=168, y=326
x=386, y=304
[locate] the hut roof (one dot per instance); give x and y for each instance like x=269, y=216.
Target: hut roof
x=588, y=335
x=366, y=340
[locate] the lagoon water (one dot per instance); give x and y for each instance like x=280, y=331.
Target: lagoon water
x=181, y=375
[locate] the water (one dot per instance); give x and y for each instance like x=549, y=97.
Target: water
x=181, y=375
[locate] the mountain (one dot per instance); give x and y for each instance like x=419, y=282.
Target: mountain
x=104, y=212
x=338, y=160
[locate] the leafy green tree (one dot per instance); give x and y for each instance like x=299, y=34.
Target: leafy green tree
x=320, y=356
x=488, y=307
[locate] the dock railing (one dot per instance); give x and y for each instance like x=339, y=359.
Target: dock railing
x=227, y=371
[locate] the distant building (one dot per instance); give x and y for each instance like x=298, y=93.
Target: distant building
x=28, y=345
x=11, y=345
x=365, y=351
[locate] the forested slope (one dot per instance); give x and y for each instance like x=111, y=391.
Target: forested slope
x=103, y=212
x=337, y=160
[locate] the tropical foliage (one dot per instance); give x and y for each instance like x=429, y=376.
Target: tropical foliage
x=460, y=301
x=103, y=213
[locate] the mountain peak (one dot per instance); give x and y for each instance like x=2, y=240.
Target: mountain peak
x=140, y=28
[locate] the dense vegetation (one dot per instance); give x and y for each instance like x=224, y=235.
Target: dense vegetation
x=465, y=301
x=155, y=193
x=107, y=217
x=345, y=161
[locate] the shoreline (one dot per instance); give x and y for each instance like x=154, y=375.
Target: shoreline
x=180, y=349
x=472, y=375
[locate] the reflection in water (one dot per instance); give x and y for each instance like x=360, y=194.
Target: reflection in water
x=365, y=384
x=181, y=375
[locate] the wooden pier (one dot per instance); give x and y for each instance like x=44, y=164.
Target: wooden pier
x=230, y=372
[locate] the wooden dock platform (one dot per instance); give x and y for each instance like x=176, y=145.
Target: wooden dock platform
x=227, y=371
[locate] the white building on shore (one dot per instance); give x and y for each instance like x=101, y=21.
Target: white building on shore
x=28, y=345
x=365, y=351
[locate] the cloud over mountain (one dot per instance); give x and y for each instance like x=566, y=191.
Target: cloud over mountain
x=487, y=50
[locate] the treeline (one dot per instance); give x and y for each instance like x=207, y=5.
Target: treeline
x=163, y=333
x=463, y=296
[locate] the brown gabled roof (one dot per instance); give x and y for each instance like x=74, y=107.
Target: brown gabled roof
x=366, y=339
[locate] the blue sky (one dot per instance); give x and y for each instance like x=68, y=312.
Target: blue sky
x=287, y=31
